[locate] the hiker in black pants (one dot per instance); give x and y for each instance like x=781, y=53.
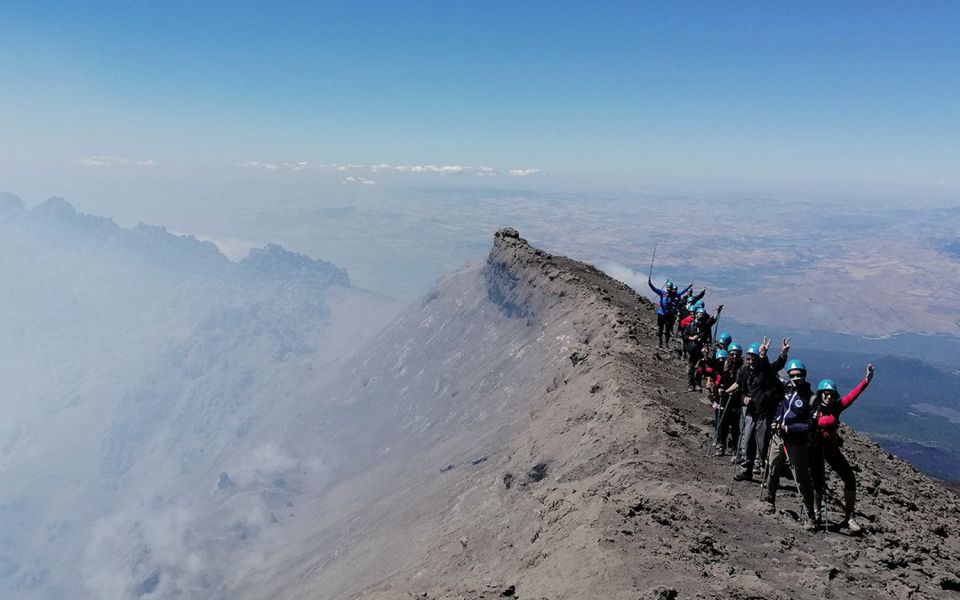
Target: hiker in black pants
x=667, y=308
x=793, y=423
x=692, y=348
x=685, y=309
x=827, y=448
x=697, y=339
x=762, y=390
x=728, y=424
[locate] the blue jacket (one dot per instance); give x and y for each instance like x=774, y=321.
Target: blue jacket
x=796, y=414
x=668, y=302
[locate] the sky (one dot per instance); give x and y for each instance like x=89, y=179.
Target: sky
x=613, y=95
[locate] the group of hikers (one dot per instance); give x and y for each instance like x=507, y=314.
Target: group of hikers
x=772, y=426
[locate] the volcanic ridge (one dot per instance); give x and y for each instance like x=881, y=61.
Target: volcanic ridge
x=534, y=443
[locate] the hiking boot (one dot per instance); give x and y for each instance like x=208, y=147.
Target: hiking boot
x=810, y=523
x=851, y=524
x=769, y=506
x=744, y=475
x=719, y=451
x=733, y=459
x=757, y=471
x=818, y=518
x=691, y=388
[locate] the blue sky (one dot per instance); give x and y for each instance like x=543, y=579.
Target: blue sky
x=636, y=93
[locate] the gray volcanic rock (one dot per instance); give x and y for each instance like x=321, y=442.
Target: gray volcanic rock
x=599, y=482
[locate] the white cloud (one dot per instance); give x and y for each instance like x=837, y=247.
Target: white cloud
x=479, y=171
x=360, y=180
x=113, y=161
x=623, y=273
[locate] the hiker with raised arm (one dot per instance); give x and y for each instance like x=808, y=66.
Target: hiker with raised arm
x=794, y=422
x=827, y=448
x=761, y=389
x=667, y=308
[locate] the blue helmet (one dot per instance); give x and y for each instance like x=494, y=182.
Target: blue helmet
x=669, y=285
x=721, y=354
x=698, y=304
x=734, y=347
x=796, y=364
x=826, y=384
x=725, y=338
x=699, y=309
x=754, y=348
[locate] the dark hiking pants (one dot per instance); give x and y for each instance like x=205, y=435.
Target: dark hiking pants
x=799, y=456
x=693, y=359
x=832, y=455
x=664, y=327
x=728, y=420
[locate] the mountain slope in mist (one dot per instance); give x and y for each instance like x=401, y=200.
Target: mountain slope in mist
x=137, y=366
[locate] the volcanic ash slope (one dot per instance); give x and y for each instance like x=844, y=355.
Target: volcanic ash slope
x=518, y=434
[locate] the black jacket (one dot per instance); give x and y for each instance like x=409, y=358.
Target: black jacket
x=763, y=385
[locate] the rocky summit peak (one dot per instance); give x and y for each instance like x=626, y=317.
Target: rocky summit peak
x=508, y=233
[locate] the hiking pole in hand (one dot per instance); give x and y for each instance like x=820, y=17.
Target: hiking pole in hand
x=723, y=411
x=716, y=325
x=796, y=481
x=652, y=258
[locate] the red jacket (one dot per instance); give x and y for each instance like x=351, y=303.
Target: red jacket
x=829, y=421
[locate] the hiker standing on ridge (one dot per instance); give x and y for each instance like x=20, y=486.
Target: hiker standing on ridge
x=827, y=444
x=761, y=388
x=729, y=400
x=697, y=336
x=723, y=340
x=685, y=309
x=667, y=308
x=793, y=424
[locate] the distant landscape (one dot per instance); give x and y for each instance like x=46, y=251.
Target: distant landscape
x=823, y=279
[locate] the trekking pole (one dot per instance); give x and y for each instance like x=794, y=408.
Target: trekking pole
x=796, y=481
x=652, y=258
x=723, y=411
x=826, y=500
